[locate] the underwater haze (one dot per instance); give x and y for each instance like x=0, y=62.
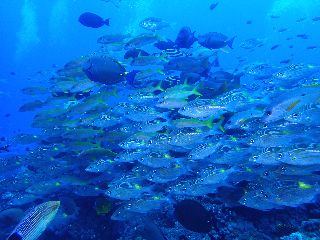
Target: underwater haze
x=159, y=119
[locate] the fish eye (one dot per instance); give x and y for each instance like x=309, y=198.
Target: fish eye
x=251, y=141
x=190, y=156
x=279, y=155
x=268, y=113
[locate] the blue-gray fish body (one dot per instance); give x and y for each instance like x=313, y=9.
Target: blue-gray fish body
x=214, y=40
x=153, y=24
x=35, y=222
x=104, y=70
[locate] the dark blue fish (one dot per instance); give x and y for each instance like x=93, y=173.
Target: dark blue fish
x=135, y=52
x=214, y=40
x=303, y=36
x=311, y=47
x=249, y=22
x=285, y=61
x=216, y=62
x=185, y=38
x=315, y=19
x=282, y=30
x=163, y=45
x=104, y=70
x=93, y=20
x=4, y=148
x=193, y=216
x=274, y=47
x=213, y=6
x=300, y=20
x=131, y=76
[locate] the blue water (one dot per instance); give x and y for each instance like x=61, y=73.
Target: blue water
x=39, y=36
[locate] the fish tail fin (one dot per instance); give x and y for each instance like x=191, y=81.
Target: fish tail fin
x=220, y=123
x=230, y=42
x=107, y=22
x=237, y=78
x=114, y=92
x=185, y=83
x=209, y=123
x=195, y=91
x=159, y=86
x=164, y=58
x=160, y=72
x=216, y=62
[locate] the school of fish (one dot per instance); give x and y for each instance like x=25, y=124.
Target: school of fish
x=148, y=120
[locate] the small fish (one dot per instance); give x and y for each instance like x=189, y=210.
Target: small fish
x=285, y=61
x=274, y=16
x=274, y=47
x=31, y=106
x=213, y=6
x=173, y=53
x=303, y=36
x=142, y=40
x=101, y=165
x=113, y=38
x=312, y=47
x=281, y=30
x=153, y=24
x=4, y=148
x=203, y=151
x=316, y=19
x=35, y=222
x=300, y=20
x=249, y=22
x=202, y=108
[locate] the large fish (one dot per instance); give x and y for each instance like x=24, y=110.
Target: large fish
x=185, y=38
x=214, y=40
x=104, y=70
x=35, y=222
x=93, y=20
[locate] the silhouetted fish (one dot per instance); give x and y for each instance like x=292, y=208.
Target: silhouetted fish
x=93, y=20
